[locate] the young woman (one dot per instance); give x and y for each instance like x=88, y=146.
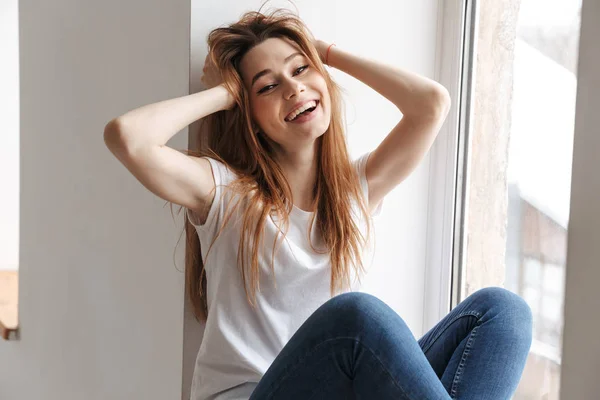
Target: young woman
x=280, y=218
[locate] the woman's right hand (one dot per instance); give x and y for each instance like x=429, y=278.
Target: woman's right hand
x=212, y=77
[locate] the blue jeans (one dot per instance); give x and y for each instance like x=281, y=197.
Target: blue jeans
x=356, y=347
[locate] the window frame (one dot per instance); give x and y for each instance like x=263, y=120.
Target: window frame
x=447, y=187
x=456, y=46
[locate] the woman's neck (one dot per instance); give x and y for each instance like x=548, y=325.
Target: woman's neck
x=300, y=170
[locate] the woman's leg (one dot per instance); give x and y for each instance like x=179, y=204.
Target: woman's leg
x=479, y=349
x=353, y=346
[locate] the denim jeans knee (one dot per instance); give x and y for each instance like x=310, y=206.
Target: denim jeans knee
x=512, y=308
x=362, y=312
x=351, y=304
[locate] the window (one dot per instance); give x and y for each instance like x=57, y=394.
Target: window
x=516, y=189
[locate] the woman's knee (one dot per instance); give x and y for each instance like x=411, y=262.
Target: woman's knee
x=362, y=311
x=353, y=303
x=513, y=308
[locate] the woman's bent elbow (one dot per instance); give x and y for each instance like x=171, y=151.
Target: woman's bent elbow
x=113, y=136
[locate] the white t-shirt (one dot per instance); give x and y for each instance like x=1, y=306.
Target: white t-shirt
x=240, y=343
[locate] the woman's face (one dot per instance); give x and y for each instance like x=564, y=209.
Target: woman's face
x=278, y=77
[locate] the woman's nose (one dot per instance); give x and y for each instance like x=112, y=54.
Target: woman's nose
x=294, y=88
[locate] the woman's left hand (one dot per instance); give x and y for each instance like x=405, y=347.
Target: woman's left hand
x=321, y=47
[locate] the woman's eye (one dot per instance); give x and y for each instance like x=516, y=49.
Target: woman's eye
x=267, y=88
x=302, y=68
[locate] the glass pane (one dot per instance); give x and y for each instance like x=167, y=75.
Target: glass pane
x=532, y=295
x=554, y=279
x=532, y=271
x=520, y=160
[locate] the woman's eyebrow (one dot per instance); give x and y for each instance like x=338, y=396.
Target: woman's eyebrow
x=266, y=71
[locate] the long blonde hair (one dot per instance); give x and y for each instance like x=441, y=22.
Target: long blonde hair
x=261, y=182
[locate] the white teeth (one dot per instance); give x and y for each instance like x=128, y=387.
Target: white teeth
x=301, y=109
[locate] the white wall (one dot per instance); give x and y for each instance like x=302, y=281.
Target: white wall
x=101, y=303
x=401, y=33
x=9, y=134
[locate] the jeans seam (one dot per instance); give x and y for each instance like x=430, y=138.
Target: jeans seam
x=461, y=365
x=463, y=314
x=270, y=395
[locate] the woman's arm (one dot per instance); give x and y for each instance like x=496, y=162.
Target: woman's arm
x=423, y=103
x=413, y=94
x=154, y=124
x=138, y=140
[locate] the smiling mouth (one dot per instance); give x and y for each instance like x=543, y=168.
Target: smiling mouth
x=307, y=111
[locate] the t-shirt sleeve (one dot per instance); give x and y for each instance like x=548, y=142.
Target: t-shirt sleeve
x=361, y=165
x=222, y=177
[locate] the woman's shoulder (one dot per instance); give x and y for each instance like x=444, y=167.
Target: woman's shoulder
x=360, y=162
x=222, y=172
x=223, y=176
x=360, y=165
